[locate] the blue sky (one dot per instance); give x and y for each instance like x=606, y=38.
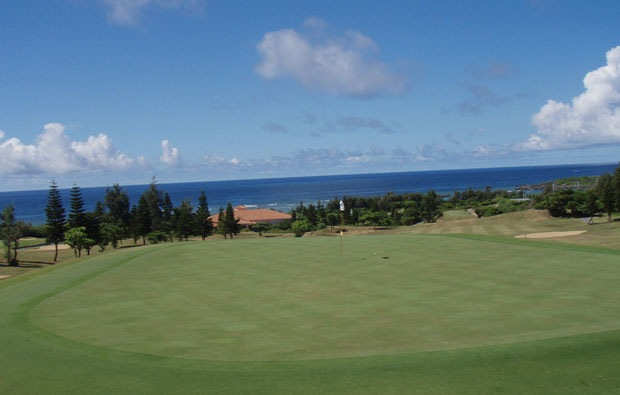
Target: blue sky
x=104, y=91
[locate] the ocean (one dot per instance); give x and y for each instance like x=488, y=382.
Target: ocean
x=285, y=193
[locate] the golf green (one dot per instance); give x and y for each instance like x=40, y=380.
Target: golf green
x=292, y=312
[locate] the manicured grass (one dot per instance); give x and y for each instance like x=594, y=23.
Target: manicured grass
x=438, y=315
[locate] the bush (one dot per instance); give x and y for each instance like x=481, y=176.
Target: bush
x=300, y=227
x=157, y=237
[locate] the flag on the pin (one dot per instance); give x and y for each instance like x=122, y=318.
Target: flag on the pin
x=341, y=205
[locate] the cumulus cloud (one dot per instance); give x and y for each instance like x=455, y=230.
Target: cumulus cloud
x=53, y=152
x=592, y=118
x=343, y=65
x=169, y=154
x=128, y=12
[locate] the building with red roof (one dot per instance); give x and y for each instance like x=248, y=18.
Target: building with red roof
x=248, y=217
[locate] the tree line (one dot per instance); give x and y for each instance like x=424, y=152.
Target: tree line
x=154, y=219
x=602, y=198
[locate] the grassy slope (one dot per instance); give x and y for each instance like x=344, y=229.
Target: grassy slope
x=37, y=361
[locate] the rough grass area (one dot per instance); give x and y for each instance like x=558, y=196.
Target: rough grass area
x=426, y=314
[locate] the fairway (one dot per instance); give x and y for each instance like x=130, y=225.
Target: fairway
x=396, y=311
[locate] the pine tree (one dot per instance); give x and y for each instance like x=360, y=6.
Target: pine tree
x=232, y=224
x=167, y=209
x=76, y=212
x=184, y=219
x=204, y=225
x=55, y=214
x=143, y=218
x=221, y=223
x=606, y=195
x=117, y=203
x=154, y=199
x=11, y=232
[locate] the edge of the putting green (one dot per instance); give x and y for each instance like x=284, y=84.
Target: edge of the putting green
x=20, y=319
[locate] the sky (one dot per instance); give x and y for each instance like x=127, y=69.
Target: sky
x=96, y=92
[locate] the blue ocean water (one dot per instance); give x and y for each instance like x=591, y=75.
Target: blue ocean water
x=284, y=193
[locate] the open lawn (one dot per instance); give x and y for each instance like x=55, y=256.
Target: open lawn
x=399, y=314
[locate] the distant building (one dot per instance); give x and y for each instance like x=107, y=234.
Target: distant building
x=248, y=217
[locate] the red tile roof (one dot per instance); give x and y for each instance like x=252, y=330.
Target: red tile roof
x=253, y=216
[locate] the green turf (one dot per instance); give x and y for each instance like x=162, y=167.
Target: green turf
x=286, y=315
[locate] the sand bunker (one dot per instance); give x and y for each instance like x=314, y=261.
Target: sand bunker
x=51, y=248
x=1, y=277
x=549, y=235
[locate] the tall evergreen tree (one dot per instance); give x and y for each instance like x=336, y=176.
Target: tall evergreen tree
x=204, y=225
x=154, y=199
x=117, y=203
x=221, y=223
x=55, y=213
x=167, y=211
x=11, y=232
x=231, y=223
x=606, y=195
x=143, y=219
x=616, y=185
x=184, y=219
x=76, y=211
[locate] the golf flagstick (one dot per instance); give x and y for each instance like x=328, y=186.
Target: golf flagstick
x=341, y=211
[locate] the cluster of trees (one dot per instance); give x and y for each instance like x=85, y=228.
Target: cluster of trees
x=388, y=210
x=154, y=218
x=227, y=224
x=486, y=202
x=10, y=232
x=603, y=198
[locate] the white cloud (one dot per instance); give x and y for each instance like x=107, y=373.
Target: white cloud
x=128, y=12
x=592, y=118
x=169, y=154
x=336, y=65
x=101, y=152
x=53, y=152
x=235, y=161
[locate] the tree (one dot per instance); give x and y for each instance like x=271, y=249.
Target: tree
x=92, y=224
x=154, y=200
x=111, y=234
x=55, y=213
x=260, y=228
x=221, y=223
x=184, y=219
x=11, y=232
x=78, y=240
x=616, y=185
x=301, y=226
x=590, y=207
x=375, y=218
x=76, y=211
x=430, y=206
x=157, y=236
x=117, y=203
x=332, y=220
x=204, y=225
x=231, y=224
x=143, y=219
x=606, y=195
x=167, y=213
